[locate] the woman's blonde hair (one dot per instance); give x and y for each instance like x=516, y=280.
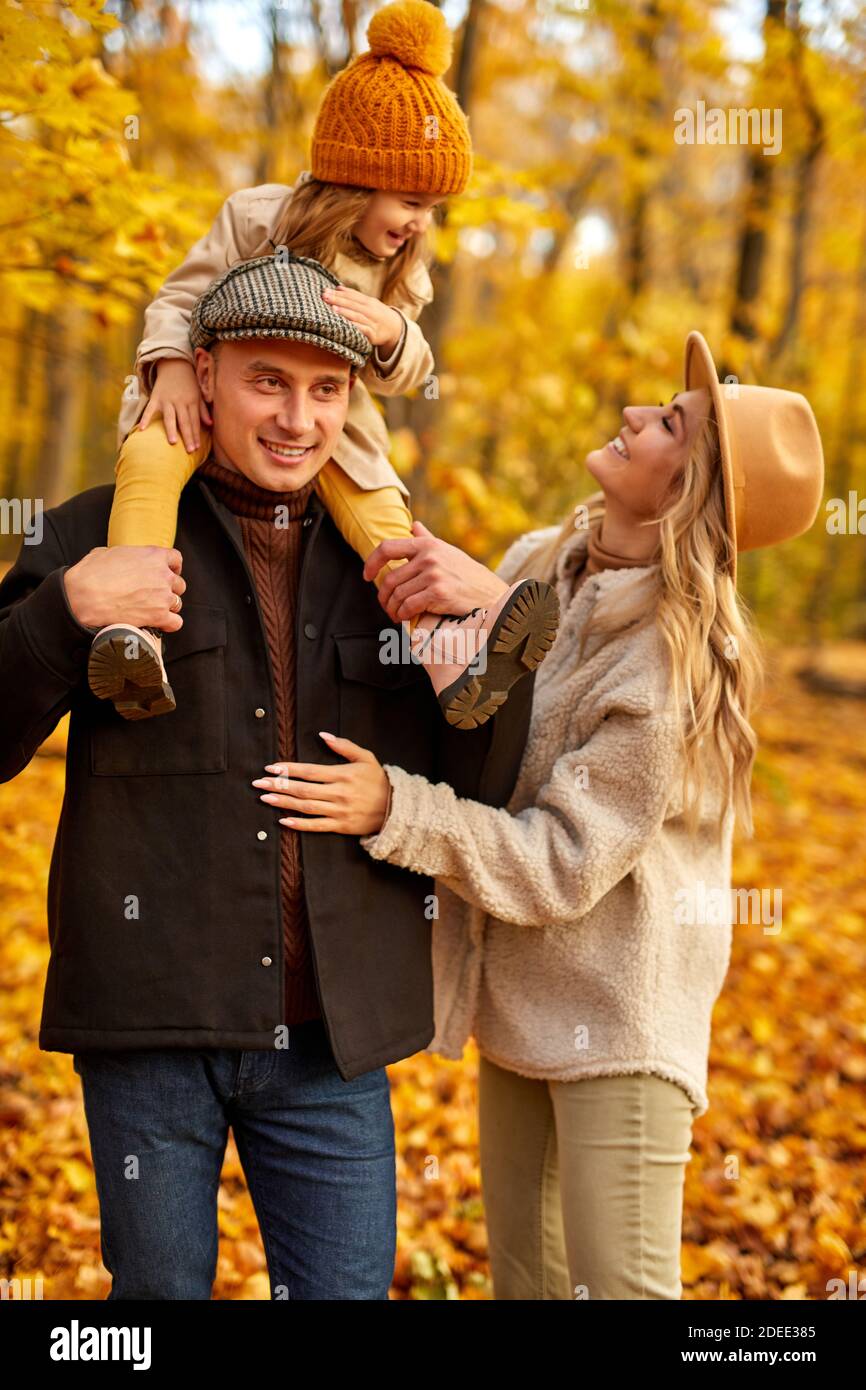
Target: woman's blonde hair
x=318, y=222
x=715, y=658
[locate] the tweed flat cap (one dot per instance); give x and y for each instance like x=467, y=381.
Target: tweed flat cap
x=277, y=296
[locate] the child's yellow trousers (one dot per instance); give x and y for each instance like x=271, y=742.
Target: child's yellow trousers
x=151, y=473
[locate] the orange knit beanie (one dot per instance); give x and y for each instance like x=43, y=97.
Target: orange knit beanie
x=388, y=121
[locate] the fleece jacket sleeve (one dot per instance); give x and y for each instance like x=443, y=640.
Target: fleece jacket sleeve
x=552, y=862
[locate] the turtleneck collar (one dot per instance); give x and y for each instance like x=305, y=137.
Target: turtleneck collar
x=245, y=498
x=598, y=557
x=585, y=556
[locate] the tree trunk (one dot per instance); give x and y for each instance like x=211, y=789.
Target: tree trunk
x=423, y=415
x=752, y=246
x=56, y=477
x=270, y=104
x=647, y=34
x=803, y=196
x=846, y=433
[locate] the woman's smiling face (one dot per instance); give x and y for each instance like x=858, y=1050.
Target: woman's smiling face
x=635, y=470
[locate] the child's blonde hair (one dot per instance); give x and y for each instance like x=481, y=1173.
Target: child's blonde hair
x=319, y=221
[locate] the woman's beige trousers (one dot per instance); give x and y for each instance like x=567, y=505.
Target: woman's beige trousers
x=583, y=1184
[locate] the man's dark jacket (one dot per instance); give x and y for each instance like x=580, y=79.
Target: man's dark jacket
x=164, y=906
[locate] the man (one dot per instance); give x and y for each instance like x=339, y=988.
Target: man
x=209, y=967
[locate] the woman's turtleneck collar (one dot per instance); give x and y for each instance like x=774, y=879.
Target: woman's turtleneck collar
x=598, y=557
x=245, y=498
x=589, y=557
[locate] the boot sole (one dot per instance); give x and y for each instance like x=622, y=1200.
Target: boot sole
x=519, y=641
x=135, y=685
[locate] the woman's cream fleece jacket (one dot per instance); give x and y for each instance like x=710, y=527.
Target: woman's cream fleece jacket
x=573, y=937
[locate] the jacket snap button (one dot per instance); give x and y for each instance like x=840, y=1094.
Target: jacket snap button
x=260, y=714
x=266, y=960
x=308, y=521
x=248, y=598
x=309, y=629
x=263, y=834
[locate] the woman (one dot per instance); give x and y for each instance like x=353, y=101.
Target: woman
x=573, y=938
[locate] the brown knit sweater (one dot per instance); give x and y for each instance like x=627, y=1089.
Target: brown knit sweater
x=273, y=545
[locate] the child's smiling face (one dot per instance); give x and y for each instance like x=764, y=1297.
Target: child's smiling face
x=391, y=218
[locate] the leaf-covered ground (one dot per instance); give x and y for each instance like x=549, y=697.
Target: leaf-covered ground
x=774, y=1202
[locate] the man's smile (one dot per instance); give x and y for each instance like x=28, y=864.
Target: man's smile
x=286, y=453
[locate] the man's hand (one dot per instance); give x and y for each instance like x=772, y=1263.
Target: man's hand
x=437, y=577
x=127, y=583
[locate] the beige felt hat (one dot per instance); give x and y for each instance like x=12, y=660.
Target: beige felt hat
x=772, y=459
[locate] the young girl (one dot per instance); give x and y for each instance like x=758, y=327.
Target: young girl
x=584, y=930
x=390, y=142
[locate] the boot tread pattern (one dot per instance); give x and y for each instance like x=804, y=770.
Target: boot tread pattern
x=529, y=622
x=135, y=685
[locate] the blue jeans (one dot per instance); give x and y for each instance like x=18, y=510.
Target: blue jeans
x=317, y=1152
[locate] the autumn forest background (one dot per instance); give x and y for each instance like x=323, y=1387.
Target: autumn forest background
x=587, y=245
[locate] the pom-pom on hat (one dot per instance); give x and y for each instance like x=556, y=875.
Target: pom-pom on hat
x=388, y=121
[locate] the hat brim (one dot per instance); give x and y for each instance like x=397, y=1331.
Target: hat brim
x=700, y=371
x=299, y=335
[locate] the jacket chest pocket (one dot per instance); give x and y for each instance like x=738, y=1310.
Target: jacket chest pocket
x=381, y=701
x=194, y=736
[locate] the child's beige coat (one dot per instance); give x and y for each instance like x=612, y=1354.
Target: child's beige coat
x=242, y=229
x=580, y=933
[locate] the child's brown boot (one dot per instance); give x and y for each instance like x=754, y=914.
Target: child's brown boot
x=126, y=666
x=474, y=660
